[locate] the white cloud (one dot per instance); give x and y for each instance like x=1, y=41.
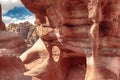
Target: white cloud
x=7, y=20
x=9, y=4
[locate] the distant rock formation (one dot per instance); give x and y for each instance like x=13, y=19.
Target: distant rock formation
x=26, y=30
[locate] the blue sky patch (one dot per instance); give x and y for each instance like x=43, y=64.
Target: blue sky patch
x=18, y=12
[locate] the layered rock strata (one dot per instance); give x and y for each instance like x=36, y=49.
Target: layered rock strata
x=79, y=28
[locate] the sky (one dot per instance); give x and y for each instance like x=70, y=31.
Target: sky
x=13, y=11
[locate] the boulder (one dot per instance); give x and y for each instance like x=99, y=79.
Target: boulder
x=11, y=43
x=11, y=47
x=12, y=68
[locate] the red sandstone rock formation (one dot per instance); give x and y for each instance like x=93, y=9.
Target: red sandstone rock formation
x=84, y=28
x=102, y=64
x=11, y=68
x=11, y=46
x=11, y=43
x=68, y=49
x=2, y=25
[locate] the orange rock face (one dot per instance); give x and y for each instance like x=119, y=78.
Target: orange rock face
x=81, y=29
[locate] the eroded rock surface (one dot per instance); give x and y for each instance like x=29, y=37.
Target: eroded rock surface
x=25, y=30
x=79, y=28
x=11, y=43
x=12, y=68
x=2, y=25
x=11, y=46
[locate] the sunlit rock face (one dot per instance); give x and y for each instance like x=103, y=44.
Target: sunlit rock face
x=81, y=29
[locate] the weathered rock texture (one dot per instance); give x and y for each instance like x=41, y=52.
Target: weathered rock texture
x=11, y=68
x=11, y=43
x=25, y=30
x=2, y=25
x=11, y=46
x=80, y=28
